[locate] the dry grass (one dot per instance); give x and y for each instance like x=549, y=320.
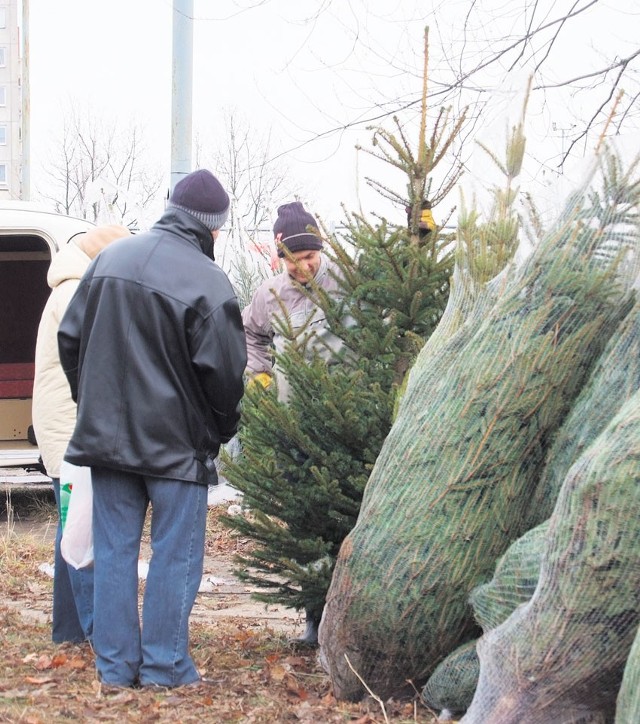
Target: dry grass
x=259, y=678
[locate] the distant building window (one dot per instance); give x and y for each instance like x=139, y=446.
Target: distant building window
x=3, y=174
x=3, y=135
x=3, y=57
x=3, y=17
x=3, y=95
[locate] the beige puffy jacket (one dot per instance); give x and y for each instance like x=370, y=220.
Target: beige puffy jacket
x=54, y=412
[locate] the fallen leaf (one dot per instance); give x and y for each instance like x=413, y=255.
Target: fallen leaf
x=293, y=687
x=16, y=694
x=277, y=673
x=38, y=679
x=77, y=663
x=58, y=660
x=294, y=661
x=43, y=662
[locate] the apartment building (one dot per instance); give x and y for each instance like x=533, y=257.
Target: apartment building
x=11, y=101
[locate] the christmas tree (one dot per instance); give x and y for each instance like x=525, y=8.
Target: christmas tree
x=304, y=465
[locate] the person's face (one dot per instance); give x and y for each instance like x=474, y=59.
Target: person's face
x=215, y=234
x=305, y=266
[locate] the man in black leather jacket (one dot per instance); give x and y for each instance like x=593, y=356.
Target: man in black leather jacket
x=153, y=346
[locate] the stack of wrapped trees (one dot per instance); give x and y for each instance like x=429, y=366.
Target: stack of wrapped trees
x=615, y=379
x=455, y=480
x=452, y=685
x=561, y=657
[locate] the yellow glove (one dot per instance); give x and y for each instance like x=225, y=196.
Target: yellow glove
x=426, y=220
x=263, y=379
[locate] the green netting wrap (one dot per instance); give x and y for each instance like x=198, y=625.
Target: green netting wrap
x=469, y=300
x=514, y=581
x=452, y=487
x=561, y=657
x=628, y=703
x=616, y=377
x=453, y=683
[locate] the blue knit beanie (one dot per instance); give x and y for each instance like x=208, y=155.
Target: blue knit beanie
x=296, y=229
x=201, y=195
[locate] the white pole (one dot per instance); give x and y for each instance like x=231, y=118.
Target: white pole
x=182, y=90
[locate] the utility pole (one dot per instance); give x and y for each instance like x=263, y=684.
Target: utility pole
x=181, y=90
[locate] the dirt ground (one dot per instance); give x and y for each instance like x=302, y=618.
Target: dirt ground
x=241, y=647
x=222, y=595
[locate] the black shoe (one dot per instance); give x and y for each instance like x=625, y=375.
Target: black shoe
x=310, y=636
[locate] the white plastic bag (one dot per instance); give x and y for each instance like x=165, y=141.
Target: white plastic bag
x=76, y=545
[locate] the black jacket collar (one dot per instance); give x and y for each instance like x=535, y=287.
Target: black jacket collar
x=188, y=228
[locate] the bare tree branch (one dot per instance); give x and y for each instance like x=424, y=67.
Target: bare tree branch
x=100, y=173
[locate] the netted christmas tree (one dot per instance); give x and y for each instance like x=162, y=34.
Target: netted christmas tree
x=453, y=485
x=304, y=465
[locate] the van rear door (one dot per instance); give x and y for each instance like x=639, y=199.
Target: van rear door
x=29, y=238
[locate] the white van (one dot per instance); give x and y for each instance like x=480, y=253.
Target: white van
x=30, y=236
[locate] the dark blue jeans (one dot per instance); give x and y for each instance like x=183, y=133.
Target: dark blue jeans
x=154, y=652
x=72, y=593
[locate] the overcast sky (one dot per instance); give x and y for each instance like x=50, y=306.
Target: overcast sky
x=298, y=69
